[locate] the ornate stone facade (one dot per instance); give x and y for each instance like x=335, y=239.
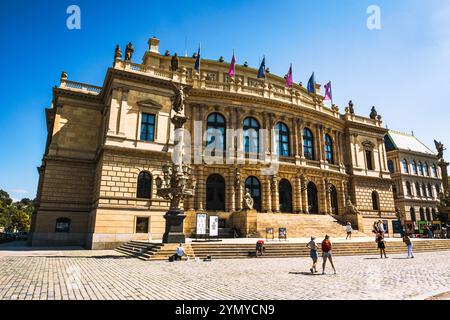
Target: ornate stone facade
x=107, y=145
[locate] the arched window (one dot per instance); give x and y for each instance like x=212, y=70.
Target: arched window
x=62, y=225
x=375, y=201
x=313, y=201
x=412, y=212
x=391, y=166
x=369, y=159
x=405, y=166
x=438, y=190
x=329, y=149
x=414, y=167
x=251, y=135
x=430, y=190
x=308, y=144
x=422, y=214
x=420, y=168
x=216, y=122
x=428, y=214
x=283, y=140
x=334, y=200
x=434, y=169
x=418, y=191
x=144, y=185
x=434, y=215
x=254, y=186
x=424, y=190
x=285, y=196
x=426, y=169
x=408, y=189
x=215, y=193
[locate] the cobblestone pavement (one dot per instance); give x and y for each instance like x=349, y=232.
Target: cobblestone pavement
x=109, y=275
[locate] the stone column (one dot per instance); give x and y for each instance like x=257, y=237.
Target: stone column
x=342, y=198
x=336, y=148
x=296, y=140
x=304, y=190
x=200, y=194
x=267, y=200
x=122, y=113
x=298, y=195
x=300, y=129
x=323, y=198
x=231, y=192
x=444, y=174
x=275, y=194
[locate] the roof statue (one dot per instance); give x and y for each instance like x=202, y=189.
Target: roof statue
x=440, y=149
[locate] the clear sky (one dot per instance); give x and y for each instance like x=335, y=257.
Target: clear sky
x=402, y=69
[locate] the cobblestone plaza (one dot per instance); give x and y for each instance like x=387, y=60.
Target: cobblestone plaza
x=84, y=275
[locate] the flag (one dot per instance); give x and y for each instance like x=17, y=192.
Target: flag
x=197, y=62
x=288, y=78
x=311, y=84
x=262, y=69
x=328, y=92
x=232, y=71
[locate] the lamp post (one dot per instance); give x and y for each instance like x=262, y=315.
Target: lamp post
x=178, y=182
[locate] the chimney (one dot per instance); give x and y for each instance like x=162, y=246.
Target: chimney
x=153, y=45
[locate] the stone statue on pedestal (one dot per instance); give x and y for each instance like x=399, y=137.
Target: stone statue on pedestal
x=248, y=202
x=117, y=53
x=440, y=149
x=351, y=208
x=129, y=50
x=373, y=113
x=174, y=63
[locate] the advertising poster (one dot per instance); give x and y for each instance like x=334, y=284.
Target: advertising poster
x=201, y=224
x=214, y=226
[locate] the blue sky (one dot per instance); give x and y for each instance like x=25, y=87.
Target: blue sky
x=403, y=69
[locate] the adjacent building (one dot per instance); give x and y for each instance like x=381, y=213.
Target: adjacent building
x=107, y=145
x=416, y=177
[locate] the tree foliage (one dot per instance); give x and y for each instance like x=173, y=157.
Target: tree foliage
x=15, y=216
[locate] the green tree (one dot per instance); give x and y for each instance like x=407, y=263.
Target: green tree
x=20, y=220
x=5, y=199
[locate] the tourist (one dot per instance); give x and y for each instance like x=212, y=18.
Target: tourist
x=349, y=230
x=375, y=228
x=326, y=253
x=408, y=243
x=381, y=244
x=430, y=232
x=381, y=227
x=312, y=245
x=260, y=248
x=180, y=253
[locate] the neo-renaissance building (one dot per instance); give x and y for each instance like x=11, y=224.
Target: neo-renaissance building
x=417, y=178
x=107, y=145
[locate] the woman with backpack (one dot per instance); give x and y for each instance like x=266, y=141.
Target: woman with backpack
x=326, y=253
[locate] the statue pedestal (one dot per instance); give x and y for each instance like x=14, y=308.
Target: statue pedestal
x=174, y=227
x=246, y=222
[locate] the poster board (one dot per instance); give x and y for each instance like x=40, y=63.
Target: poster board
x=201, y=224
x=397, y=228
x=270, y=234
x=282, y=234
x=214, y=226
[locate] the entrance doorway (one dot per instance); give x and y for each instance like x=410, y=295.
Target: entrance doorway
x=215, y=193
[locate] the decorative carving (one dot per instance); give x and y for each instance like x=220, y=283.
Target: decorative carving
x=368, y=144
x=248, y=202
x=273, y=182
x=174, y=63
x=221, y=59
x=303, y=182
x=440, y=149
x=237, y=179
x=129, y=51
x=373, y=113
x=351, y=208
x=350, y=109
x=178, y=100
x=118, y=53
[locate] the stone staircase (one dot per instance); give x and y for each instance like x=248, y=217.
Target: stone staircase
x=152, y=251
x=304, y=225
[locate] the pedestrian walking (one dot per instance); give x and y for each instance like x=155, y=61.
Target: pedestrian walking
x=408, y=243
x=349, y=230
x=381, y=244
x=327, y=254
x=312, y=245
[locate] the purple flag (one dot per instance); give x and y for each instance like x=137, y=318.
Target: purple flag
x=288, y=77
x=328, y=92
x=232, y=71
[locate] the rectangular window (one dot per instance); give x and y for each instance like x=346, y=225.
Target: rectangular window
x=369, y=160
x=148, y=127
x=142, y=224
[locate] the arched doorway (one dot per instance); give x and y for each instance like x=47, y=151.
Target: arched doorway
x=313, y=201
x=285, y=196
x=254, y=186
x=422, y=214
x=334, y=200
x=412, y=213
x=215, y=193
